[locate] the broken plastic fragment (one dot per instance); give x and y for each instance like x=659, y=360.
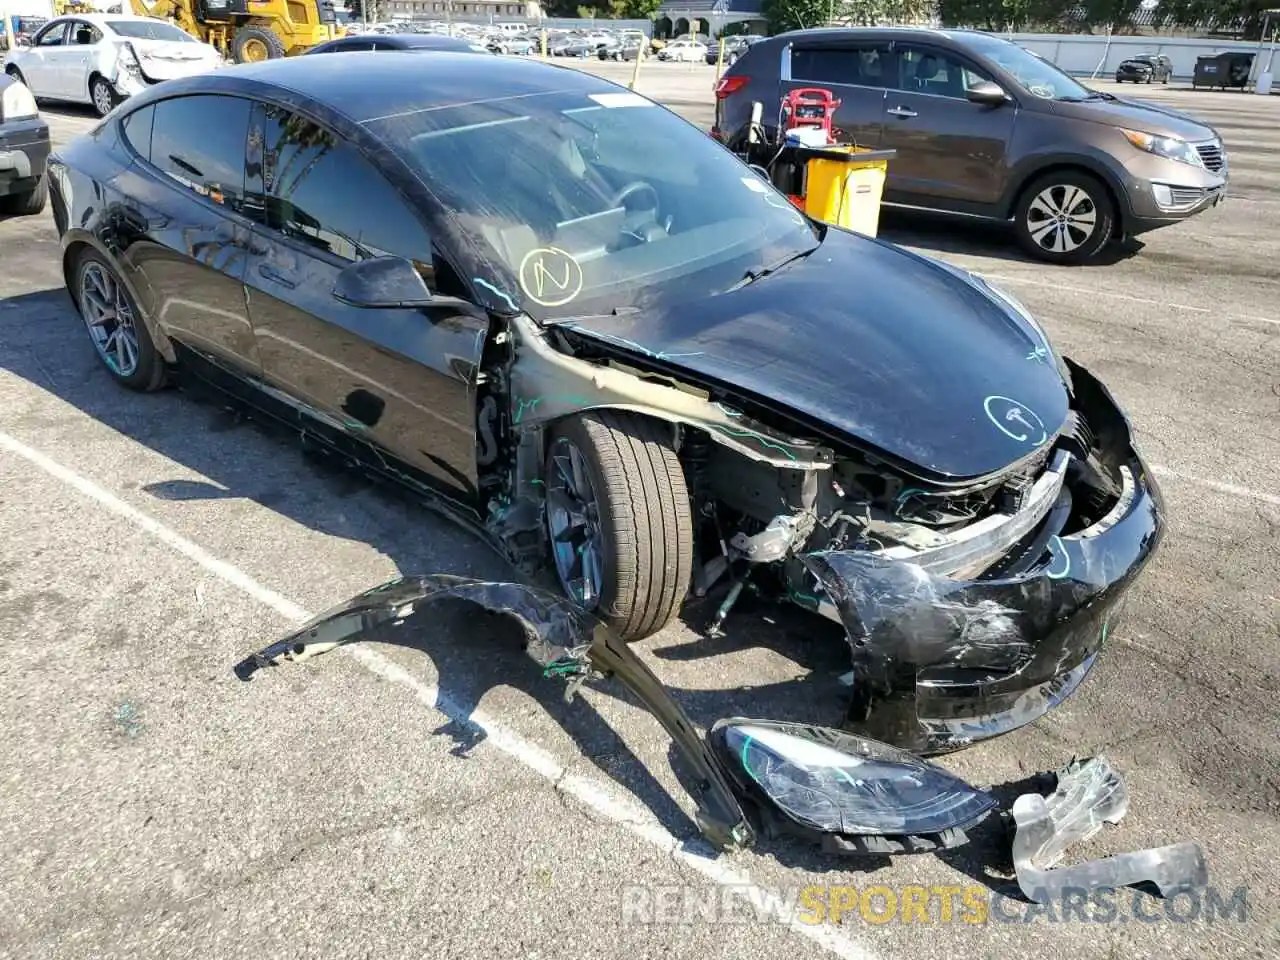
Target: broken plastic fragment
x=1089, y=794
x=563, y=641
x=557, y=634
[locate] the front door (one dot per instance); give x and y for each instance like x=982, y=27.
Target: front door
x=40, y=64
x=949, y=150
x=402, y=379
x=856, y=73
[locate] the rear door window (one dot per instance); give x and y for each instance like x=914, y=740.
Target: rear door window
x=199, y=141
x=926, y=70
x=860, y=65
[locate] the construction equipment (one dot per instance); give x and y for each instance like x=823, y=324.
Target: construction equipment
x=247, y=31
x=63, y=7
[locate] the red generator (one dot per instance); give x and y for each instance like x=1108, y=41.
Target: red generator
x=808, y=109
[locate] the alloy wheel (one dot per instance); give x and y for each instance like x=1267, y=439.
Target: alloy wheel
x=573, y=521
x=104, y=305
x=1062, y=218
x=103, y=101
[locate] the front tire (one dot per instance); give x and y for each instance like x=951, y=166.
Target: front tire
x=619, y=520
x=115, y=327
x=1065, y=217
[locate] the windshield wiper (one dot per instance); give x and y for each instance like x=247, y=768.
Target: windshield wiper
x=751, y=276
x=1093, y=95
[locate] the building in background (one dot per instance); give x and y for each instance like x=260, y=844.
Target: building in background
x=678, y=17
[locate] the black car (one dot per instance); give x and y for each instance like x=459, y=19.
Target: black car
x=733, y=48
x=24, y=148
x=571, y=320
x=1147, y=68
x=418, y=42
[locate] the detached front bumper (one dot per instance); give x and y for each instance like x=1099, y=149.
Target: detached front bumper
x=24, y=151
x=941, y=663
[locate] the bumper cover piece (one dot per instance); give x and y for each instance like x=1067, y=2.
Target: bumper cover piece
x=1090, y=794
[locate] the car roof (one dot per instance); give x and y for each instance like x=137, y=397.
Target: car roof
x=98, y=19
x=957, y=36
x=396, y=82
x=415, y=40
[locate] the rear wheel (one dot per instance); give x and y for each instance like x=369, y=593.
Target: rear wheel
x=118, y=334
x=1064, y=217
x=103, y=95
x=619, y=521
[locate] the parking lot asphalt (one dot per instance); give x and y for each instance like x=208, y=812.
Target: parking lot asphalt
x=431, y=795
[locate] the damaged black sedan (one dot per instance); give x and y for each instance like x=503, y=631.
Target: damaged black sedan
x=586, y=329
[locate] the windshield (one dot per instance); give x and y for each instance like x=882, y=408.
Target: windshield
x=150, y=30
x=596, y=202
x=1037, y=76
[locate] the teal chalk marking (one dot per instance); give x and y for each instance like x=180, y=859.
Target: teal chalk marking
x=496, y=292
x=1039, y=354
x=758, y=438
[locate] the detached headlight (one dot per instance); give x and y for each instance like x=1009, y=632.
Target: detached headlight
x=17, y=103
x=836, y=783
x=1169, y=147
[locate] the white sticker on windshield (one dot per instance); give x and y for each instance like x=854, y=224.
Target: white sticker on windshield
x=612, y=100
x=755, y=184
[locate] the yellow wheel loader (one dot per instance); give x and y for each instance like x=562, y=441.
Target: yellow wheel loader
x=250, y=30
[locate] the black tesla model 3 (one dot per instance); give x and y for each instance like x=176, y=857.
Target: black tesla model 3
x=577, y=323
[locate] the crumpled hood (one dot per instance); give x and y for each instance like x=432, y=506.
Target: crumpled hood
x=1137, y=115
x=167, y=60
x=873, y=342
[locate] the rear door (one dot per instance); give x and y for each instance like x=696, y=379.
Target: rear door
x=84, y=43
x=949, y=150
x=187, y=187
x=856, y=73
x=402, y=380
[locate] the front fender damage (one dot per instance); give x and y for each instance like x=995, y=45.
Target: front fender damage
x=753, y=775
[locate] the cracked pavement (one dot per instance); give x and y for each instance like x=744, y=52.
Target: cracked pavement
x=154, y=807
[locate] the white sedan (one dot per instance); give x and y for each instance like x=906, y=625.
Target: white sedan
x=684, y=50
x=103, y=59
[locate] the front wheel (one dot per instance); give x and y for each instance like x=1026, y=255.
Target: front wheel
x=1065, y=217
x=619, y=521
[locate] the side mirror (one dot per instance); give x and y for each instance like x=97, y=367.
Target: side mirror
x=385, y=283
x=987, y=93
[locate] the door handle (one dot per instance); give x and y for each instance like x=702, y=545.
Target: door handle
x=903, y=112
x=271, y=273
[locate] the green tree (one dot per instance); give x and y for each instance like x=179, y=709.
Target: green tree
x=783, y=15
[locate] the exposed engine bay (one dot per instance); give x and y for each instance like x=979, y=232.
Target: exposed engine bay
x=769, y=489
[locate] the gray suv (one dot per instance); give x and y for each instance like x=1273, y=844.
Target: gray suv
x=985, y=128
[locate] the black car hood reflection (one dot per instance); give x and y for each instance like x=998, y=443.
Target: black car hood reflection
x=872, y=342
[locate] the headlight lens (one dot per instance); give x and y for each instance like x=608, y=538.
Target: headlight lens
x=834, y=782
x=1169, y=147
x=17, y=103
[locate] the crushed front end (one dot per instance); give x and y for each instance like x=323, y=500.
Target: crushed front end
x=1002, y=618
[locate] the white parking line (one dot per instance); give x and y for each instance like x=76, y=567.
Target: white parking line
x=1229, y=488
x=1094, y=292
x=603, y=798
